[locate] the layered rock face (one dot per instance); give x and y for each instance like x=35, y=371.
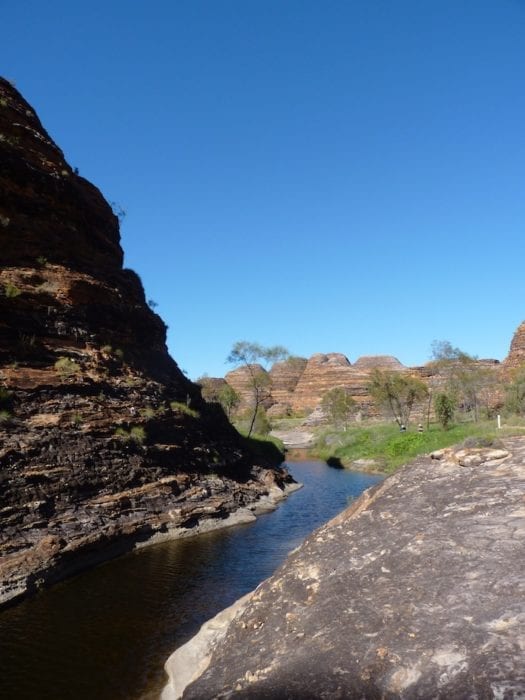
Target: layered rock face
x=242, y=381
x=103, y=442
x=298, y=385
x=516, y=356
x=284, y=378
x=326, y=371
x=416, y=591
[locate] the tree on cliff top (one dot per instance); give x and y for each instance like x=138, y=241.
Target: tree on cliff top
x=398, y=392
x=249, y=355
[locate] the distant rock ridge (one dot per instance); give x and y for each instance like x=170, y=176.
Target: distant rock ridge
x=104, y=443
x=298, y=385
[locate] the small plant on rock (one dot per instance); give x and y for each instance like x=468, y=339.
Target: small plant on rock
x=179, y=407
x=135, y=434
x=5, y=416
x=11, y=290
x=66, y=367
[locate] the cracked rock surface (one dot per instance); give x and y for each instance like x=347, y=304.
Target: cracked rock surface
x=415, y=591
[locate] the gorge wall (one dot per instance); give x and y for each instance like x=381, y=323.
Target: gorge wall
x=103, y=441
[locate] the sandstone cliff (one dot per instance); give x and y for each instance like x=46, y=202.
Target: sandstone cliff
x=415, y=591
x=516, y=356
x=103, y=442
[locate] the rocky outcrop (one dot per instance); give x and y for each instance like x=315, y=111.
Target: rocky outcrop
x=516, y=356
x=104, y=443
x=415, y=591
x=298, y=385
x=384, y=362
x=242, y=381
x=326, y=371
x=284, y=378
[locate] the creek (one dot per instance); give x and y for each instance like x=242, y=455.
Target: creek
x=106, y=633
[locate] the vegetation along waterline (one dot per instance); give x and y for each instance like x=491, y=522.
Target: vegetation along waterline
x=383, y=448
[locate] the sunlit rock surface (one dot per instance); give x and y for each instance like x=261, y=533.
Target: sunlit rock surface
x=415, y=591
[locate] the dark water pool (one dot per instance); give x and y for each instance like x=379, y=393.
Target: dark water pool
x=106, y=633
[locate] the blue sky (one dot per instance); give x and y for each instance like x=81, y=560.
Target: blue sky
x=332, y=176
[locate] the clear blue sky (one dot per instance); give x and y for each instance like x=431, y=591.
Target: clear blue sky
x=333, y=176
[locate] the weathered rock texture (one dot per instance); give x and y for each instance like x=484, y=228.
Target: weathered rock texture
x=284, y=378
x=415, y=591
x=103, y=442
x=516, y=356
x=242, y=381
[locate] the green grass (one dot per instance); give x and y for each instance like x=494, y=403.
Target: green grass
x=264, y=448
x=135, y=434
x=288, y=423
x=179, y=407
x=66, y=367
x=390, y=449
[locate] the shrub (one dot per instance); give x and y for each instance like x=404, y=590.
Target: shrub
x=445, y=407
x=11, y=290
x=135, y=434
x=66, y=367
x=76, y=418
x=121, y=433
x=5, y=416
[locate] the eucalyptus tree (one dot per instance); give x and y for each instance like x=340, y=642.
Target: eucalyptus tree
x=251, y=356
x=398, y=392
x=338, y=404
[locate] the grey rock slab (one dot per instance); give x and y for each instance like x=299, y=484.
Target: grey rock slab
x=415, y=591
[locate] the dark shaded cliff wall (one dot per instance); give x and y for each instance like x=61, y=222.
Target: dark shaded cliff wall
x=103, y=441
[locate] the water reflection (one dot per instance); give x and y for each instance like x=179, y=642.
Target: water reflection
x=107, y=632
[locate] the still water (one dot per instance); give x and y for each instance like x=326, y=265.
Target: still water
x=106, y=633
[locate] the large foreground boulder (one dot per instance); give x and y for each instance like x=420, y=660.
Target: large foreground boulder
x=415, y=591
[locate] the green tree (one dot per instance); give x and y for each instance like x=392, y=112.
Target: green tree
x=229, y=399
x=261, y=425
x=515, y=392
x=468, y=381
x=445, y=407
x=338, y=405
x=250, y=355
x=398, y=392
x=218, y=391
